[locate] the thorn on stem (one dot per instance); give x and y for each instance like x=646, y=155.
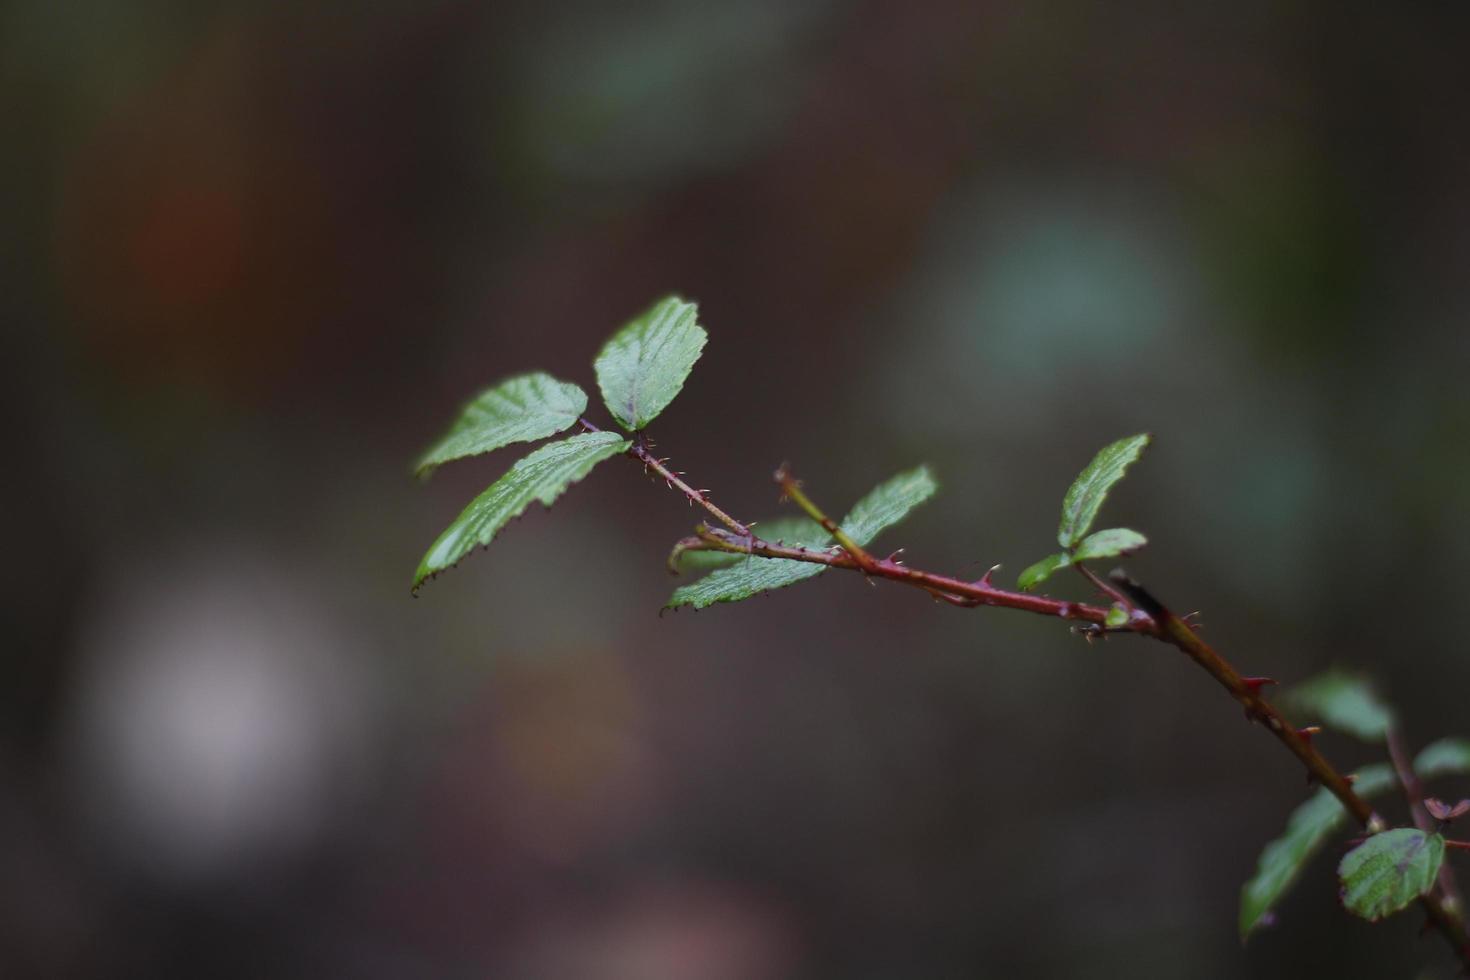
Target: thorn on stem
x=1256, y=683
x=1307, y=732
x=1091, y=631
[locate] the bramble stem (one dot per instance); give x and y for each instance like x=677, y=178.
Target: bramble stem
x=1160, y=624
x=977, y=593
x=639, y=451
x=1176, y=632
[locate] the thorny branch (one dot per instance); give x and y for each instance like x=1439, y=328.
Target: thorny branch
x=1147, y=617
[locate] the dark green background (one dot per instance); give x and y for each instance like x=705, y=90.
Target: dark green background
x=255, y=255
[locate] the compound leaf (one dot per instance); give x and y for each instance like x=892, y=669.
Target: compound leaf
x=542, y=476
x=1447, y=757
x=644, y=365
x=1342, y=701
x=1388, y=871
x=1090, y=489
x=1034, y=575
x=1307, y=831
x=1108, y=544
x=519, y=409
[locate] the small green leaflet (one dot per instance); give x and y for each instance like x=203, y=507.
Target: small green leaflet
x=792, y=530
x=542, y=476
x=884, y=506
x=1090, y=489
x=743, y=580
x=519, y=409
x=1117, y=616
x=1308, y=829
x=1034, y=575
x=645, y=364
x=1344, y=702
x=1447, y=757
x=1102, y=544
x=1108, y=544
x=1388, y=871
x=888, y=503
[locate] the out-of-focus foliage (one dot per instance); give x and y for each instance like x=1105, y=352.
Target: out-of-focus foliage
x=1447, y=757
x=1342, y=701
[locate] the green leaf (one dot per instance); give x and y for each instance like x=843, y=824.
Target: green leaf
x=1447, y=757
x=520, y=409
x=1117, y=616
x=1108, y=544
x=644, y=365
x=1388, y=871
x=1342, y=701
x=1307, y=831
x=1034, y=575
x=1090, y=489
x=792, y=530
x=749, y=577
x=887, y=504
x=542, y=476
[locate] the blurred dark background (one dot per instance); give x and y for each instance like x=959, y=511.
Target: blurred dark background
x=256, y=254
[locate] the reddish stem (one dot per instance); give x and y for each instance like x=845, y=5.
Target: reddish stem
x=1161, y=624
x=977, y=593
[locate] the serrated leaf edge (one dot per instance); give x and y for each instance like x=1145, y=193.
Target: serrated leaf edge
x=421, y=580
